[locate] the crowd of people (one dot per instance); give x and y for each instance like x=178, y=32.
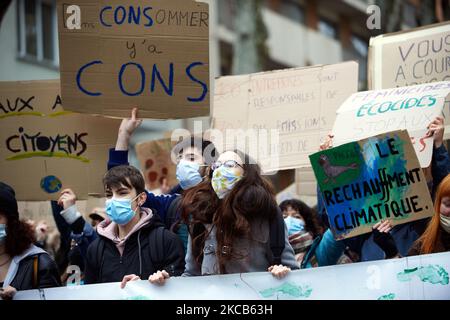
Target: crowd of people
x=221, y=218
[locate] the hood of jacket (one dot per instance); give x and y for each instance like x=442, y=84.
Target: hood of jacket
x=110, y=230
x=14, y=266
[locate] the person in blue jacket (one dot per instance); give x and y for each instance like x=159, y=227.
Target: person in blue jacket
x=192, y=154
x=404, y=235
x=311, y=247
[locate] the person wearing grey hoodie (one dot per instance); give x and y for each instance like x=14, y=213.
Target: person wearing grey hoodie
x=23, y=266
x=133, y=240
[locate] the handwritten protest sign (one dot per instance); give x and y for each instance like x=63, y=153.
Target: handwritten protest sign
x=299, y=104
x=371, y=180
x=45, y=148
x=154, y=55
x=417, y=56
x=154, y=158
x=422, y=277
x=369, y=113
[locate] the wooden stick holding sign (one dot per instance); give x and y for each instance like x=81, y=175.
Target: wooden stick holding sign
x=371, y=180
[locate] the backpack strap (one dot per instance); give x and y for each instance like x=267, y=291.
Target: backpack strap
x=172, y=218
x=100, y=258
x=277, y=237
x=35, y=271
x=157, y=247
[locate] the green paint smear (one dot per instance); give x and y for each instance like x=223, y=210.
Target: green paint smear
x=141, y=297
x=47, y=154
x=390, y=296
x=289, y=289
x=434, y=274
x=35, y=113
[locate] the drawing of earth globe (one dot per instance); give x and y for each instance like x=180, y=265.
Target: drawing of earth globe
x=51, y=184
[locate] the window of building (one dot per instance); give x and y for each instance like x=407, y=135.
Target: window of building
x=409, y=14
x=37, y=31
x=288, y=8
x=328, y=28
x=360, y=46
x=292, y=10
x=226, y=58
x=226, y=13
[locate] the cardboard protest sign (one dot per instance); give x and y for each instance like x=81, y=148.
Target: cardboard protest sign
x=416, y=56
x=371, y=180
x=369, y=113
x=298, y=104
x=156, y=163
x=154, y=55
x=44, y=148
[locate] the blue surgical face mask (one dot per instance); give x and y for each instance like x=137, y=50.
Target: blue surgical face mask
x=119, y=210
x=188, y=174
x=294, y=225
x=2, y=233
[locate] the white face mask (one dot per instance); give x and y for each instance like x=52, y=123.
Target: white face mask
x=445, y=223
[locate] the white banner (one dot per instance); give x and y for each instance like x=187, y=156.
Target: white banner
x=413, y=278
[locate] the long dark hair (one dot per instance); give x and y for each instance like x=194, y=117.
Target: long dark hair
x=252, y=198
x=19, y=236
x=309, y=215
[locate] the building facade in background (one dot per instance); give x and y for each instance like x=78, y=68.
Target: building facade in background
x=297, y=33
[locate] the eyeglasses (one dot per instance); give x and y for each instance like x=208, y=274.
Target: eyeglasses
x=226, y=164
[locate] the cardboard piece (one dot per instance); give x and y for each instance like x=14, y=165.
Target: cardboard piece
x=298, y=104
x=416, y=56
x=135, y=53
x=44, y=148
x=156, y=164
x=371, y=180
x=369, y=113
x=305, y=182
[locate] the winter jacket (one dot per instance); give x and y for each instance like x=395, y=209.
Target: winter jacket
x=254, y=253
x=325, y=251
x=440, y=167
x=21, y=274
x=149, y=247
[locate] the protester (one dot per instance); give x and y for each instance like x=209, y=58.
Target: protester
x=312, y=249
x=23, y=266
x=193, y=156
x=47, y=238
x=133, y=240
x=229, y=216
x=440, y=161
x=436, y=237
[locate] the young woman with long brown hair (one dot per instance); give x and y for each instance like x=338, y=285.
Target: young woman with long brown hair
x=229, y=216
